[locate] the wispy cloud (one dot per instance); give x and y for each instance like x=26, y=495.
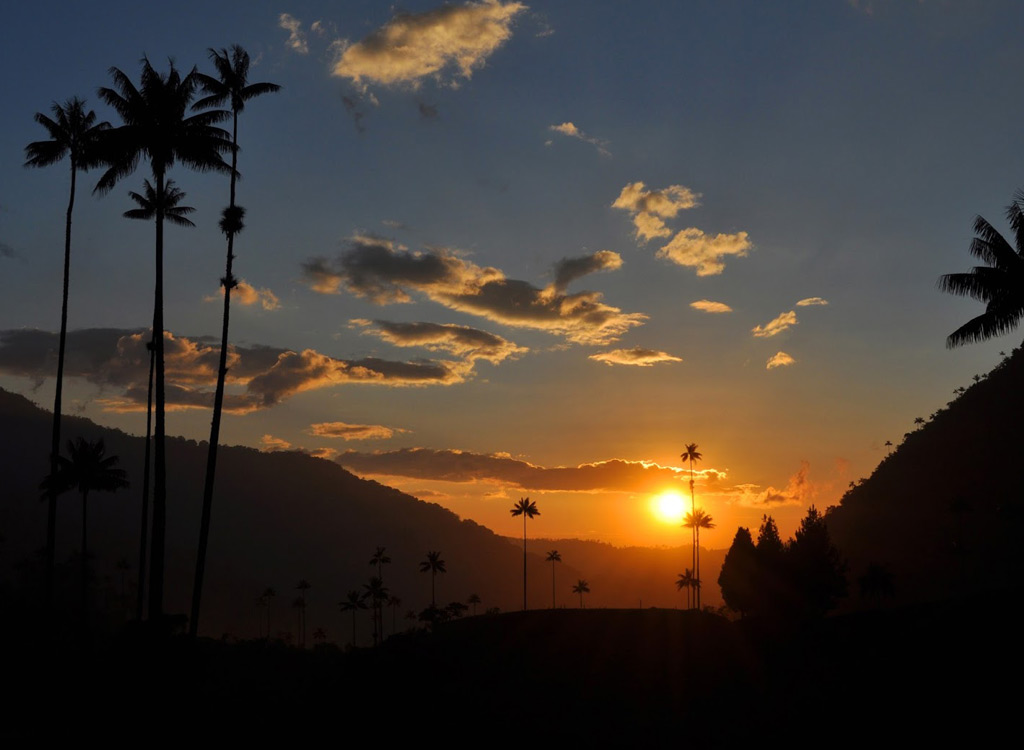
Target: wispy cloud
x=445, y=43
x=706, y=305
x=296, y=36
x=385, y=273
x=344, y=431
x=462, y=341
x=649, y=208
x=775, y=326
x=811, y=301
x=248, y=295
x=779, y=359
x=691, y=247
x=570, y=130
x=568, y=270
x=637, y=356
x=272, y=444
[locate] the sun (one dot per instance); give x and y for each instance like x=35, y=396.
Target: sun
x=669, y=506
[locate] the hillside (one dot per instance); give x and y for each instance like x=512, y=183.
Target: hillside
x=945, y=511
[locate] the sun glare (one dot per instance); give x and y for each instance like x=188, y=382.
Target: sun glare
x=669, y=506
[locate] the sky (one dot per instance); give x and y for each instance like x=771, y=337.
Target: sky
x=498, y=250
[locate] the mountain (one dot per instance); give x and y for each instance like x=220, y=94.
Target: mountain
x=944, y=513
x=282, y=517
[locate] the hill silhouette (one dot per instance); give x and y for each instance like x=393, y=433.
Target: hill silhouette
x=944, y=513
x=285, y=516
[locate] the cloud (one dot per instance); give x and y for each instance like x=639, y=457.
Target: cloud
x=248, y=295
x=708, y=306
x=258, y=376
x=385, y=273
x=296, y=37
x=811, y=301
x=6, y=251
x=776, y=326
x=346, y=431
x=272, y=444
x=637, y=356
x=648, y=208
x=462, y=466
x=691, y=247
x=468, y=343
x=355, y=111
x=452, y=41
x=570, y=130
x=568, y=270
x=427, y=111
x=799, y=490
x=779, y=359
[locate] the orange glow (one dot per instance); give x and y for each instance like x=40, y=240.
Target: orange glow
x=669, y=506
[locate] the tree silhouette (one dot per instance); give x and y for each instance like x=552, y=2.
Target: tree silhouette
x=144, y=532
x=156, y=124
x=876, y=583
x=817, y=569
x=380, y=559
x=999, y=283
x=685, y=581
x=231, y=86
x=473, y=600
x=394, y=602
x=772, y=590
x=74, y=133
x=433, y=565
x=553, y=557
x=87, y=468
x=302, y=587
x=697, y=520
x=353, y=601
x=377, y=593
x=526, y=509
x=690, y=455
x=268, y=596
x=738, y=579
x=581, y=587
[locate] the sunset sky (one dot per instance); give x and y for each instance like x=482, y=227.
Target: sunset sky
x=497, y=250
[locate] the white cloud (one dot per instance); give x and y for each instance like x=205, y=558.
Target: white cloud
x=775, y=326
x=691, y=247
x=706, y=305
x=296, y=37
x=779, y=359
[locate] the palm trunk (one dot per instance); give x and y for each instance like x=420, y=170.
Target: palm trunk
x=51, y=494
x=144, y=534
x=696, y=530
x=353, y=628
x=85, y=558
x=524, y=562
x=693, y=531
x=218, y=406
x=433, y=598
x=156, y=581
x=552, y=584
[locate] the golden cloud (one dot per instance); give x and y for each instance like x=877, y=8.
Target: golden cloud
x=648, y=208
x=776, y=326
x=345, y=431
x=296, y=37
x=271, y=444
x=779, y=359
x=637, y=356
x=463, y=341
x=691, y=247
x=706, y=305
x=811, y=301
x=571, y=131
x=248, y=295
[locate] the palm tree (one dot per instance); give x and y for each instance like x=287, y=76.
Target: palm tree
x=685, y=581
x=394, y=602
x=691, y=455
x=231, y=85
x=353, y=601
x=473, y=600
x=696, y=521
x=999, y=283
x=156, y=124
x=268, y=596
x=144, y=534
x=88, y=468
x=581, y=588
x=302, y=587
x=74, y=133
x=552, y=558
x=434, y=565
x=526, y=509
x=377, y=593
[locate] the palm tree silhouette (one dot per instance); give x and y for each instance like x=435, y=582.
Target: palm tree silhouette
x=433, y=565
x=302, y=587
x=473, y=600
x=581, y=587
x=268, y=597
x=380, y=559
x=232, y=85
x=552, y=558
x=353, y=601
x=697, y=520
x=156, y=124
x=144, y=533
x=377, y=593
x=74, y=133
x=394, y=602
x=526, y=509
x=685, y=581
x=999, y=283
x=691, y=455
x=87, y=468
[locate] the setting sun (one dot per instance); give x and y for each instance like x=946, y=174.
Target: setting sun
x=669, y=506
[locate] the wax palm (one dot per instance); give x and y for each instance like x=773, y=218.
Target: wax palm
x=581, y=587
x=691, y=455
x=685, y=581
x=302, y=587
x=151, y=202
x=156, y=124
x=526, y=509
x=473, y=600
x=74, y=133
x=999, y=283
x=696, y=521
x=433, y=565
x=553, y=557
x=377, y=593
x=230, y=87
x=144, y=533
x=88, y=468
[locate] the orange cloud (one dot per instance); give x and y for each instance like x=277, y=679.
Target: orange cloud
x=811, y=301
x=469, y=343
x=775, y=326
x=648, y=208
x=637, y=356
x=708, y=306
x=271, y=444
x=569, y=130
x=347, y=432
x=779, y=359
x=691, y=247
x=248, y=295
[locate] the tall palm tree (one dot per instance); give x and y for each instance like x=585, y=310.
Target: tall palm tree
x=999, y=283
x=581, y=587
x=353, y=601
x=433, y=565
x=144, y=533
x=696, y=521
x=394, y=602
x=473, y=600
x=87, y=468
x=156, y=124
x=377, y=593
x=691, y=455
x=74, y=133
x=231, y=86
x=526, y=509
x=553, y=557
x=685, y=581
x=302, y=587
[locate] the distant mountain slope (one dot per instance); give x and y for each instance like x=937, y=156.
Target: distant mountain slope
x=945, y=511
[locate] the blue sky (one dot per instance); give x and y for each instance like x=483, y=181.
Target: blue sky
x=841, y=148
